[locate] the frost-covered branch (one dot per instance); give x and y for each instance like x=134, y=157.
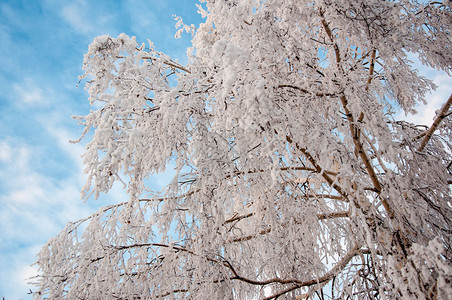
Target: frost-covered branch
x=443, y=113
x=325, y=278
x=354, y=127
x=318, y=168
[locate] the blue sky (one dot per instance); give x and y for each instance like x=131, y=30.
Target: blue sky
x=41, y=52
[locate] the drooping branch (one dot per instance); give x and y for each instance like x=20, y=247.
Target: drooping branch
x=380, y=161
x=238, y=218
x=299, y=283
x=327, y=277
x=355, y=132
x=313, y=290
x=296, y=284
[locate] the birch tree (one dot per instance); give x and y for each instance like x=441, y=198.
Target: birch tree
x=294, y=178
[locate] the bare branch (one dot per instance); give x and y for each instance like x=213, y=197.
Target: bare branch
x=339, y=214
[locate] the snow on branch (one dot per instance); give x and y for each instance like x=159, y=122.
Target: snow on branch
x=293, y=175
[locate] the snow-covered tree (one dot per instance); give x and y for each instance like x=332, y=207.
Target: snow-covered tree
x=294, y=177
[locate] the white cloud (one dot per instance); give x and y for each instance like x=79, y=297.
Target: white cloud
x=34, y=207
x=89, y=17
x=29, y=92
x=143, y=19
x=5, y=151
x=75, y=14
x=36, y=204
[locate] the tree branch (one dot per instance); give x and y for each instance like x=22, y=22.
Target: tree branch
x=327, y=277
x=324, y=216
x=166, y=62
x=304, y=90
x=443, y=113
x=300, y=283
x=359, y=149
x=295, y=168
x=373, y=56
x=333, y=215
x=324, y=174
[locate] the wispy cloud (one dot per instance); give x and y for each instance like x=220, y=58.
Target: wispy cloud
x=76, y=14
x=84, y=18
x=30, y=93
x=33, y=206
